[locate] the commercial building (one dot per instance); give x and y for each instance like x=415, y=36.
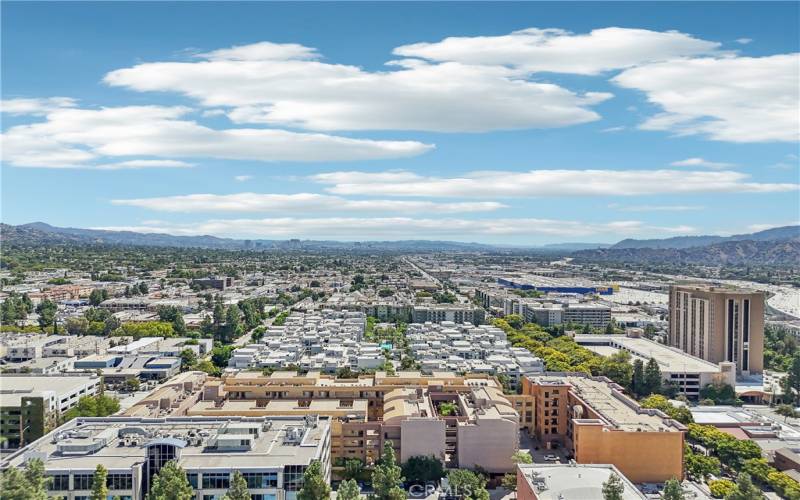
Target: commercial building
x=30, y=405
x=593, y=420
x=718, y=324
x=218, y=282
x=569, y=482
x=271, y=454
x=687, y=373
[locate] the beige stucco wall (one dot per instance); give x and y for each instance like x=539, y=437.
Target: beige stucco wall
x=423, y=437
x=488, y=444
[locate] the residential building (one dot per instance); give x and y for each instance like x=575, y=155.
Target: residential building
x=596, y=423
x=403, y=408
x=719, y=324
x=436, y=313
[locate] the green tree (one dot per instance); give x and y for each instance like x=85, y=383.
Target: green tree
x=700, y=466
x=786, y=411
x=348, y=490
x=422, y=469
x=170, y=483
x=758, y=468
x=353, y=469
x=99, y=487
x=515, y=321
x=314, y=485
x=238, y=489
x=97, y=296
x=659, y=402
x=188, y=359
x=673, y=490
x=47, y=312
x=207, y=366
x=652, y=377
x=387, y=476
x=638, y=385
x=745, y=489
x=618, y=368
x=219, y=315
x=784, y=485
x=28, y=484
x=510, y=479
x=467, y=484
x=233, y=322
x=93, y=406
x=132, y=384
x=721, y=488
x=613, y=489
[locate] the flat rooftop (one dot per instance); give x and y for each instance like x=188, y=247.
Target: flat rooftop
x=14, y=387
x=669, y=359
x=574, y=481
x=281, y=407
x=614, y=407
x=269, y=447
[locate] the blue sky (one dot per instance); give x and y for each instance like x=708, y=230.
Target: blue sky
x=520, y=123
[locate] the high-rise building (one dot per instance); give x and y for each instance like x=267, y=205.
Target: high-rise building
x=718, y=324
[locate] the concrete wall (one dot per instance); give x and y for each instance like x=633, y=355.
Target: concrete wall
x=422, y=437
x=488, y=444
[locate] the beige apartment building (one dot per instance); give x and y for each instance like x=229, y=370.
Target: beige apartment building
x=593, y=420
x=719, y=324
x=465, y=420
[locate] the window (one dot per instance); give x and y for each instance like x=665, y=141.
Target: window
x=119, y=481
x=293, y=477
x=257, y=480
x=82, y=481
x=216, y=480
x=60, y=482
x=192, y=477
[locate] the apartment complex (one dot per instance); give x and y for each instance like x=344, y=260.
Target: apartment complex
x=718, y=324
x=466, y=421
x=271, y=454
x=31, y=405
x=597, y=424
x=456, y=313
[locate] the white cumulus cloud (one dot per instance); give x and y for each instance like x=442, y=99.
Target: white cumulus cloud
x=75, y=138
x=285, y=85
x=556, y=50
x=734, y=99
x=545, y=183
x=700, y=162
x=299, y=202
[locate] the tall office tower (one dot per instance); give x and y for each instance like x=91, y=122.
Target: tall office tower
x=718, y=324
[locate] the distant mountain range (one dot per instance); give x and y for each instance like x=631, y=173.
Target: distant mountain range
x=776, y=233
x=40, y=233
x=777, y=246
